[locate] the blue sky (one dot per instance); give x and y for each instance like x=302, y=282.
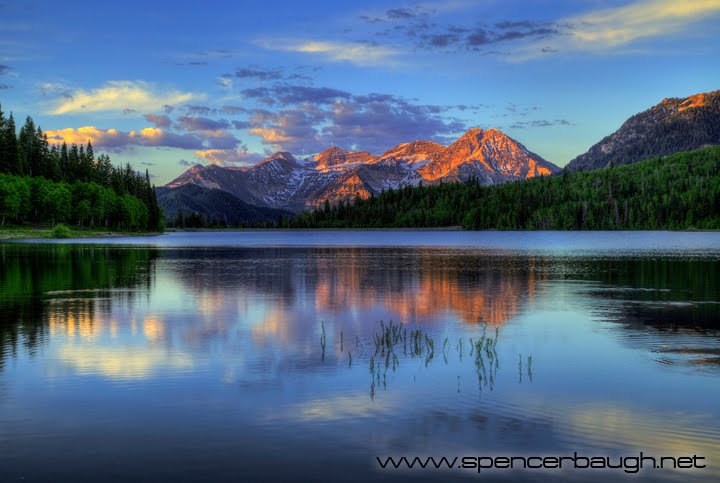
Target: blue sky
x=165, y=85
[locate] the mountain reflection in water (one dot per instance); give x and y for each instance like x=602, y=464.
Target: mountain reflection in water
x=229, y=355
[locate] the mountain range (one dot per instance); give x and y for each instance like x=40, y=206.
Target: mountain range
x=282, y=183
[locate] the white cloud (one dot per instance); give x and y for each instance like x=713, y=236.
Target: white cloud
x=362, y=54
x=239, y=156
x=609, y=29
x=120, y=95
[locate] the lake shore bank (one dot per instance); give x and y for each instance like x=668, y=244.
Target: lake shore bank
x=41, y=234
x=28, y=233
x=223, y=230
x=402, y=229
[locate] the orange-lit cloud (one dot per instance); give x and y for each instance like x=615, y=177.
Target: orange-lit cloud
x=271, y=135
x=112, y=138
x=118, y=96
x=84, y=134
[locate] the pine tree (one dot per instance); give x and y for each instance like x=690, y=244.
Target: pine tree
x=10, y=146
x=104, y=170
x=54, y=171
x=87, y=163
x=2, y=141
x=41, y=160
x=28, y=148
x=150, y=200
x=80, y=174
x=157, y=216
x=89, y=152
x=72, y=173
x=180, y=219
x=64, y=160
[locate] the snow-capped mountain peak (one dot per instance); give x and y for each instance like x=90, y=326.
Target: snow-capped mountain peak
x=281, y=181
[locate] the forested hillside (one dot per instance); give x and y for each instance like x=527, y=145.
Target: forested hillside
x=677, y=192
x=44, y=183
x=672, y=126
x=192, y=206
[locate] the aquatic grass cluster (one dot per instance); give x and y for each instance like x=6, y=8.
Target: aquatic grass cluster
x=323, y=340
x=485, y=349
x=528, y=367
x=394, y=339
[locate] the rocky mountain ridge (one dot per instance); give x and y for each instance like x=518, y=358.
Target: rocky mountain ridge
x=284, y=182
x=672, y=126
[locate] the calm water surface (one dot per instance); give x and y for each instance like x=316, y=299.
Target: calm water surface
x=256, y=356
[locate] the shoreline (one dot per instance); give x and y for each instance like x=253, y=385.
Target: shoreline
x=240, y=230
x=40, y=234
x=15, y=233
x=444, y=228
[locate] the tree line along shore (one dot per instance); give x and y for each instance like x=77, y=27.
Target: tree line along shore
x=43, y=183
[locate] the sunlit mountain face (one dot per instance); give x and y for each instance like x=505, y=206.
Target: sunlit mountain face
x=283, y=181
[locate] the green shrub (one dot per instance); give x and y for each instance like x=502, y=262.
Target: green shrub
x=61, y=231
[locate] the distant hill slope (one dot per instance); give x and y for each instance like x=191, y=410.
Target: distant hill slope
x=282, y=181
x=677, y=192
x=214, y=203
x=674, y=125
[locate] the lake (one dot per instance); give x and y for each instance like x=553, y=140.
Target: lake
x=258, y=356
